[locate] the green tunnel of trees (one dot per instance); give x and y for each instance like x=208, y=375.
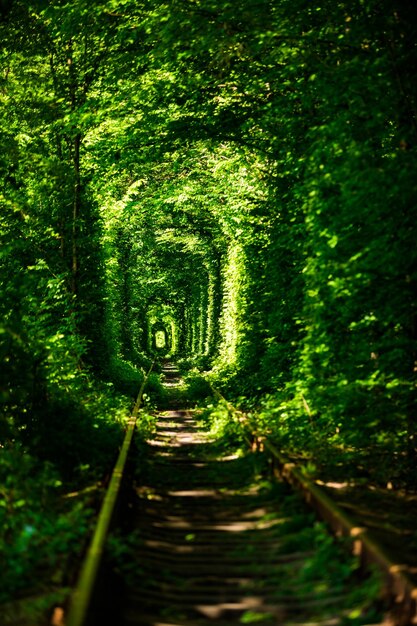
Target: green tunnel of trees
x=238, y=178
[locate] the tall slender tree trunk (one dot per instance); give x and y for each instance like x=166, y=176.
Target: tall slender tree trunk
x=76, y=209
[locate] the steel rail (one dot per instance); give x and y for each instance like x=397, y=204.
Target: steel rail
x=83, y=592
x=400, y=590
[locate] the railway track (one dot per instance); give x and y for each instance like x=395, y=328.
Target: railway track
x=220, y=543
x=214, y=540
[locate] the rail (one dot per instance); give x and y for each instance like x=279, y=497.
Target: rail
x=82, y=595
x=400, y=590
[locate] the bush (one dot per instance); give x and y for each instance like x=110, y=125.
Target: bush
x=125, y=377
x=38, y=534
x=78, y=438
x=155, y=393
x=198, y=388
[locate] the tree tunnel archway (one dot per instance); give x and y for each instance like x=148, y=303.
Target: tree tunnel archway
x=161, y=338
x=171, y=273
x=162, y=328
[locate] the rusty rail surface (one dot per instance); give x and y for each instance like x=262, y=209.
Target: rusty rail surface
x=399, y=590
x=82, y=595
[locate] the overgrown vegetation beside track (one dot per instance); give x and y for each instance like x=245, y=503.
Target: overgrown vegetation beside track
x=51, y=477
x=51, y=490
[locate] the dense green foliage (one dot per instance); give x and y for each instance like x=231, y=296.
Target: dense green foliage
x=236, y=179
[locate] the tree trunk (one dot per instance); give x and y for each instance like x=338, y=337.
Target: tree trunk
x=76, y=214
